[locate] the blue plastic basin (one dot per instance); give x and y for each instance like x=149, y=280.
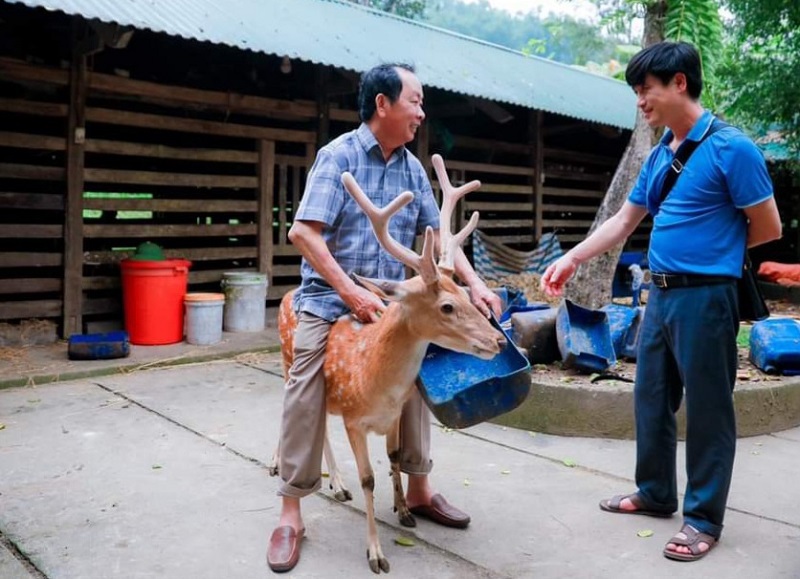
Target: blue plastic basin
x=99, y=346
x=462, y=390
x=584, y=338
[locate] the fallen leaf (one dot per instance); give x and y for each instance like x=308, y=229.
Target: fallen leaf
x=466, y=482
x=156, y=466
x=644, y=533
x=531, y=433
x=2, y=426
x=755, y=452
x=566, y=379
x=506, y=471
x=404, y=541
x=569, y=462
x=325, y=475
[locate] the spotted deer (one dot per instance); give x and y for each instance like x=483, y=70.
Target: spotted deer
x=370, y=369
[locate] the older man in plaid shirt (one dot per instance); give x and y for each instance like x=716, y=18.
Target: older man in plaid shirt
x=336, y=239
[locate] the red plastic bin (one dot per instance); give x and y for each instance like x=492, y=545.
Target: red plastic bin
x=152, y=296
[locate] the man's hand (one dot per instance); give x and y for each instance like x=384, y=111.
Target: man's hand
x=557, y=275
x=364, y=305
x=485, y=299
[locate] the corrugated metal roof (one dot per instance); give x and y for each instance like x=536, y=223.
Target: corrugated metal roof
x=349, y=36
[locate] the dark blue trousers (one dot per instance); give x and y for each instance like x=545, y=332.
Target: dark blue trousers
x=687, y=345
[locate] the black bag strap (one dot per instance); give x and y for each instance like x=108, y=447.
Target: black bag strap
x=682, y=156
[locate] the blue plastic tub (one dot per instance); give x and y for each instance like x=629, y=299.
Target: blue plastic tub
x=462, y=390
x=99, y=346
x=621, y=321
x=775, y=346
x=584, y=338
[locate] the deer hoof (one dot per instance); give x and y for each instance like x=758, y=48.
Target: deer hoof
x=343, y=496
x=378, y=564
x=406, y=518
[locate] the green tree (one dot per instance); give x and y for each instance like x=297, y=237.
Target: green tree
x=760, y=76
x=407, y=8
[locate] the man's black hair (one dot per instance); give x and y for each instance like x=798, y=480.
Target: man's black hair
x=663, y=60
x=382, y=79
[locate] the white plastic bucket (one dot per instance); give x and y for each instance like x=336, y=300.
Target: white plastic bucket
x=204, y=318
x=245, y=301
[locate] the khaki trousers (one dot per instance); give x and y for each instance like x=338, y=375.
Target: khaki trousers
x=303, y=421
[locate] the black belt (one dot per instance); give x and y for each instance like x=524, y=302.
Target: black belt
x=669, y=280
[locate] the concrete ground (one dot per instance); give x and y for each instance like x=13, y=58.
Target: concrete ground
x=147, y=470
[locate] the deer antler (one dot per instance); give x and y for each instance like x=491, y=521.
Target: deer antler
x=448, y=242
x=423, y=264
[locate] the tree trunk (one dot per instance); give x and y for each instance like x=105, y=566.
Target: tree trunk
x=591, y=285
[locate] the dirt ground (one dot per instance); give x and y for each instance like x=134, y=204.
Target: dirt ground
x=554, y=374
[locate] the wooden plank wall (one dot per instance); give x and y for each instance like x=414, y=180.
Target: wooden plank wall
x=216, y=191
x=32, y=185
x=515, y=210
x=211, y=177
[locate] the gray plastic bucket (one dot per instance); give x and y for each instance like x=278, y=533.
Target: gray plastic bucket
x=204, y=318
x=245, y=301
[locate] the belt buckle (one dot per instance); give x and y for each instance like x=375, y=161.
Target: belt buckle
x=660, y=280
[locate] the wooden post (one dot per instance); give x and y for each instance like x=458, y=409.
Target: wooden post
x=537, y=161
x=423, y=147
x=323, y=107
x=266, y=185
x=73, y=215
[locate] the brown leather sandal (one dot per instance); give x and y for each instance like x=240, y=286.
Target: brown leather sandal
x=692, y=541
x=612, y=506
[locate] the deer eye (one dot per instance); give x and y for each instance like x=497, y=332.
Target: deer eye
x=447, y=308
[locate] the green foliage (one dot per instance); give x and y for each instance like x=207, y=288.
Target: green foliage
x=743, y=337
x=560, y=38
x=697, y=22
x=761, y=71
x=407, y=8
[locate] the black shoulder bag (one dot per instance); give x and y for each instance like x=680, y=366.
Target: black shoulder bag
x=751, y=303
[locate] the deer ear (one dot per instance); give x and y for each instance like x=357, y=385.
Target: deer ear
x=428, y=270
x=390, y=291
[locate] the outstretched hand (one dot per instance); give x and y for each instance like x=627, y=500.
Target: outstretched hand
x=557, y=275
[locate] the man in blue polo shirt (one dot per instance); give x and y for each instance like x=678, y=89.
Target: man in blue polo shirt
x=721, y=204
x=336, y=239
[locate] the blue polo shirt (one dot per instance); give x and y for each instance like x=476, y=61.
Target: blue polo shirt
x=701, y=228
x=348, y=232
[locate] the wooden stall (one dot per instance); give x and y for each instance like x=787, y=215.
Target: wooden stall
x=206, y=153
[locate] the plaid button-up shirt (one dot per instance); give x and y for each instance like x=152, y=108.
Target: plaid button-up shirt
x=348, y=232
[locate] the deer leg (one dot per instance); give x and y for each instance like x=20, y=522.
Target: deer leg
x=358, y=442
x=393, y=450
x=340, y=493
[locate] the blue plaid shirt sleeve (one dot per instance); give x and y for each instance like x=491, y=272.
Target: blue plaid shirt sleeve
x=324, y=195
